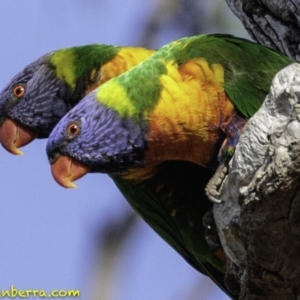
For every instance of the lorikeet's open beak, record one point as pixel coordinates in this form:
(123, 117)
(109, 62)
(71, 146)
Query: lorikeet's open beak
(13, 136)
(65, 170)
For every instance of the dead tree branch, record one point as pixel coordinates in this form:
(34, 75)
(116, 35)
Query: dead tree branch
(273, 23)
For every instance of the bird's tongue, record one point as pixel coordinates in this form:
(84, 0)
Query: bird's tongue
(13, 136)
(65, 170)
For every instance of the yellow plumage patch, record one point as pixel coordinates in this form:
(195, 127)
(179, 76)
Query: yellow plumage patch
(127, 58)
(112, 94)
(63, 61)
(186, 119)
(185, 123)
(124, 60)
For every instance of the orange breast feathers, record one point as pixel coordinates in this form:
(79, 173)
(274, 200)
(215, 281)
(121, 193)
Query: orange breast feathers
(185, 123)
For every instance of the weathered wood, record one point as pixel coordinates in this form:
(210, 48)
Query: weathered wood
(273, 23)
(259, 221)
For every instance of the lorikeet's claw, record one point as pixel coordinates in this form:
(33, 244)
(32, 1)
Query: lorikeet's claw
(215, 184)
(232, 128)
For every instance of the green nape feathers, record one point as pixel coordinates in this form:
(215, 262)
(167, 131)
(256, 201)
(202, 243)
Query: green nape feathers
(157, 131)
(81, 63)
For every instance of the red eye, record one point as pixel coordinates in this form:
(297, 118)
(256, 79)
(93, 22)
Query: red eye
(19, 91)
(73, 129)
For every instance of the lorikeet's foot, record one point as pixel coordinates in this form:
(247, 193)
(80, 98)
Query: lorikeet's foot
(232, 127)
(214, 186)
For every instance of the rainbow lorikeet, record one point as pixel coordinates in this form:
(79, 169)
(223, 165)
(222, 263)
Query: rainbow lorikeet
(160, 128)
(37, 97)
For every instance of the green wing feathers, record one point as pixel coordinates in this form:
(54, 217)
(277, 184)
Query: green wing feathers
(249, 67)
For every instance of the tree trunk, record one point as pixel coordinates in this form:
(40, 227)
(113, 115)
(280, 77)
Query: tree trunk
(273, 23)
(259, 221)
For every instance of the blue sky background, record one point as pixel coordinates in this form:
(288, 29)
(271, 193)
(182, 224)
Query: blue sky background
(53, 238)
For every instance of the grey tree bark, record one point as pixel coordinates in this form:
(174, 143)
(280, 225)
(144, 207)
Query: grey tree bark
(259, 221)
(273, 23)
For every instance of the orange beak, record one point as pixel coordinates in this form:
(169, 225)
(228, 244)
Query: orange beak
(65, 170)
(13, 136)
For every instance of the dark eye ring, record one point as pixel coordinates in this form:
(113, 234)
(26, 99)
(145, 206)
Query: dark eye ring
(73, 129)
(19, 91)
